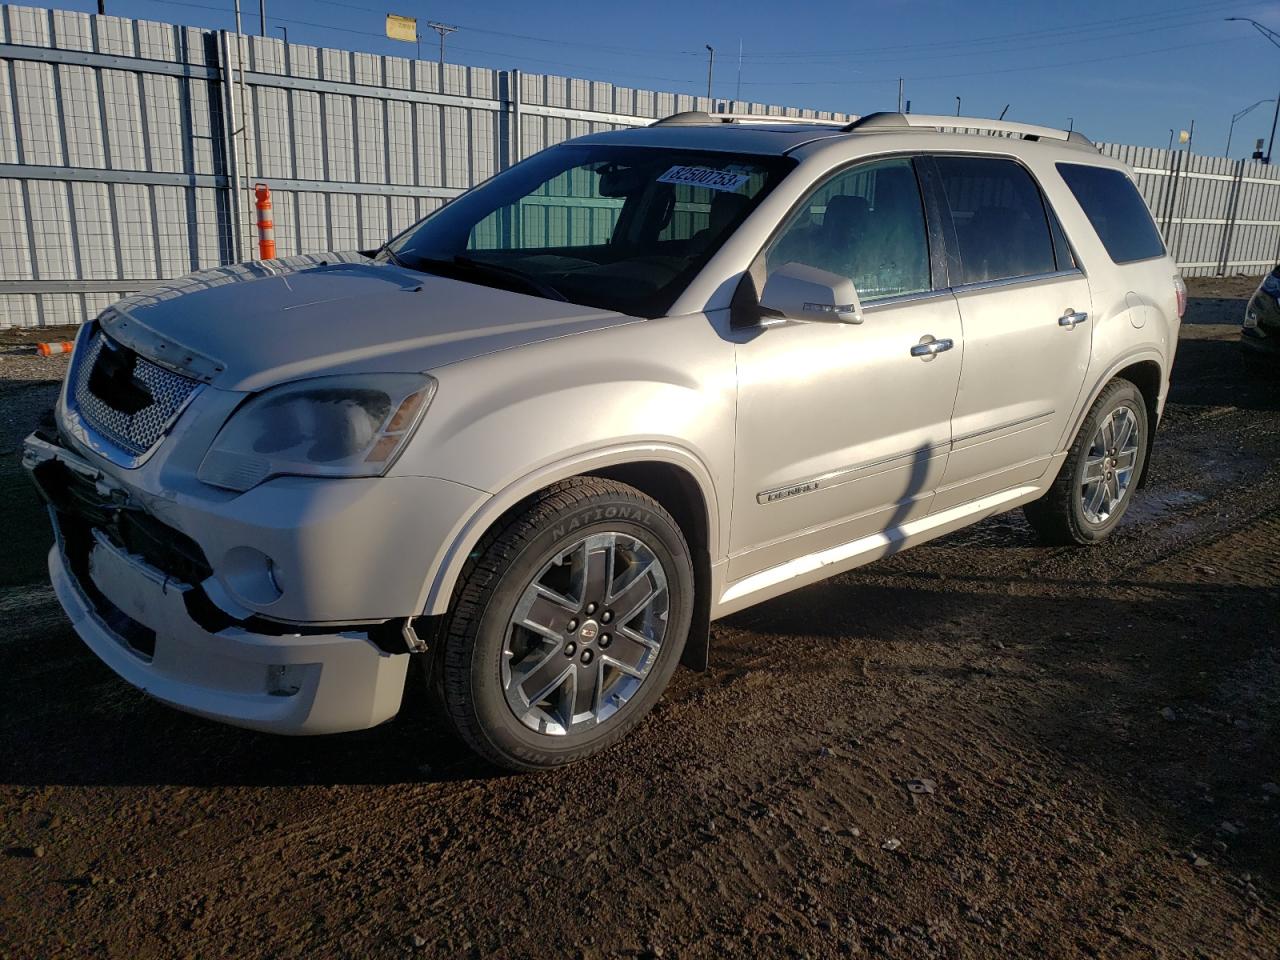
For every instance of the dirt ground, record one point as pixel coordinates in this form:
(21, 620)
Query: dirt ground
(982, 747)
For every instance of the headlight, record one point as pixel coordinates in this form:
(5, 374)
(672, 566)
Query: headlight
(352, 426)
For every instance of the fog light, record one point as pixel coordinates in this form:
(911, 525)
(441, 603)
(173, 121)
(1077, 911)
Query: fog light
(284, 680)
(251, 576)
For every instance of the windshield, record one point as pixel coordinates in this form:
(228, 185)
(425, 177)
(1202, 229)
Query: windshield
(623, 228)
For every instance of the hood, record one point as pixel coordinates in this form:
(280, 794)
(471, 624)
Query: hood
(254, 325)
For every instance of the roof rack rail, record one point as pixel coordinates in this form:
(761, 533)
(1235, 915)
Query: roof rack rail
(886, 121)
(701, 117)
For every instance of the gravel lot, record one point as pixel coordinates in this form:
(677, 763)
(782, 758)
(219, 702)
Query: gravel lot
(982, 747)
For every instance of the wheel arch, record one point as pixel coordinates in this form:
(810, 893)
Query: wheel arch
(1146, 370)
(1148, 377)
(673, 476)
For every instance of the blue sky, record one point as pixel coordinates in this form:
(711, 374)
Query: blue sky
(1125, 71)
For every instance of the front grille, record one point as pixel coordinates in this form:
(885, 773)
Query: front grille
(124, 397)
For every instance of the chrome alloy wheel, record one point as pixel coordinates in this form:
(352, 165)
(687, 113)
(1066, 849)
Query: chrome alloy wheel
(585, 634)
(1109, 465)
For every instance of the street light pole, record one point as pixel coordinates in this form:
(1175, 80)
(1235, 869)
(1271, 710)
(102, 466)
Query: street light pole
(957, 106)
(1236, 116)
(1275, 39)
(1274, 117)
(711, 65)
(262, 18)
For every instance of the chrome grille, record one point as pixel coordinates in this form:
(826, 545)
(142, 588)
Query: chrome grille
(135, 433)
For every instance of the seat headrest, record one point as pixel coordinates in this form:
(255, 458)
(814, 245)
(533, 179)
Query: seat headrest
(845, 213)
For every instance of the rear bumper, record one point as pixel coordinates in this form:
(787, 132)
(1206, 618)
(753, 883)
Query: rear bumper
(280, 684)
(1259, 342)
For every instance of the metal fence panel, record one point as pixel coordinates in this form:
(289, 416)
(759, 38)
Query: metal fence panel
(128, 150)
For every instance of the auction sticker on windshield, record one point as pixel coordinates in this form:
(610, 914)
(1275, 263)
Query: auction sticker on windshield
(704, 177)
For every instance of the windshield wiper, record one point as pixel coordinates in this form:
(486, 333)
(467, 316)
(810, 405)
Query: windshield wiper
(391, 255)
(540, 287)
(460, 266)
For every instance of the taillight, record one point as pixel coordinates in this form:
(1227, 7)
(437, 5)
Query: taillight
(1180, 288)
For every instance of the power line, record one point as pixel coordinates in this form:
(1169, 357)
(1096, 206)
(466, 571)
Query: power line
(333, 28)
(1015, 48)
(986, 73)
(1080, 27)
(858, 81)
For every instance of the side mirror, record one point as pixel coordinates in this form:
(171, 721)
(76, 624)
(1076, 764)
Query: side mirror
(796, 291)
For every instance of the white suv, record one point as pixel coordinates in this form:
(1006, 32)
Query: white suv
(642, 380)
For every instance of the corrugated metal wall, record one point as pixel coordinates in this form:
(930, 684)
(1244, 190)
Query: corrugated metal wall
(120, 141)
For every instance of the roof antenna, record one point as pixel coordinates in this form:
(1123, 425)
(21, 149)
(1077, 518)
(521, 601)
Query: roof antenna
(1004, 111)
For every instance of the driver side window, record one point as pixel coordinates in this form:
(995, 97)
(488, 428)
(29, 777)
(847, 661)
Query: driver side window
(867, 224)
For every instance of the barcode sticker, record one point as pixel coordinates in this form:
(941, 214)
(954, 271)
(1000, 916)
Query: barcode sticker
(704, 177)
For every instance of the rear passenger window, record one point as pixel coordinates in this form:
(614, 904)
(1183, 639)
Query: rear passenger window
(999, 218)
(1116, 210)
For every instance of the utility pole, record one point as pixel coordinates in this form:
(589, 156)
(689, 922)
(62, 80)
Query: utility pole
(899, 94)
(1275, 39)
(1071, 125)
(737, 95)
(262, 18)
(711, 66)
(444, 30)
(102, 8)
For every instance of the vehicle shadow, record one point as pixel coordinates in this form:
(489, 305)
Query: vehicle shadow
(1211, 372)
(1163, 707)
(68, 720)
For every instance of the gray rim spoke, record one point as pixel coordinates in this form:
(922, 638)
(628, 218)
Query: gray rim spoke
(633, 597)
(548, 613)
(600, 557)
(545, 676)
(631, 651)
(585, 633)
(1109, 466)
(586, 698)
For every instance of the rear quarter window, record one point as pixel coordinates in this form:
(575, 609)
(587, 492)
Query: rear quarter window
(1116, 210)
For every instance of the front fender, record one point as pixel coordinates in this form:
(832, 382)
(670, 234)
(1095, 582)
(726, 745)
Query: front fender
(514, 422)
(447, 565)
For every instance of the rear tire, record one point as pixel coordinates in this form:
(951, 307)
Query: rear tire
(568, 621)
(1098, 479)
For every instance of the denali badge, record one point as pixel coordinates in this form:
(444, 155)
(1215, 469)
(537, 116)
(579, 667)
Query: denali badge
(769, 496)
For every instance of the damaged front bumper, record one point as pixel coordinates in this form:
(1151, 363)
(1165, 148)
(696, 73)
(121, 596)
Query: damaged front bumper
(135, 591)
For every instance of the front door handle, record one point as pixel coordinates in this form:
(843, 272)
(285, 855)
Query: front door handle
(1071, 318)
(929, 348)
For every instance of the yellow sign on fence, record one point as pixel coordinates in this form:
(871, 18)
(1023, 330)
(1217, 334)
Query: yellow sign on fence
(402, 28)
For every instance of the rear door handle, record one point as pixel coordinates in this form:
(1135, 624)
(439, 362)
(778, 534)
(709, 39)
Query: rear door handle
(1072, 318)
(929, 347)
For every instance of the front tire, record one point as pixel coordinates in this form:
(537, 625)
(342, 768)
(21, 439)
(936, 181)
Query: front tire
(567, 623)
(1097, 481)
